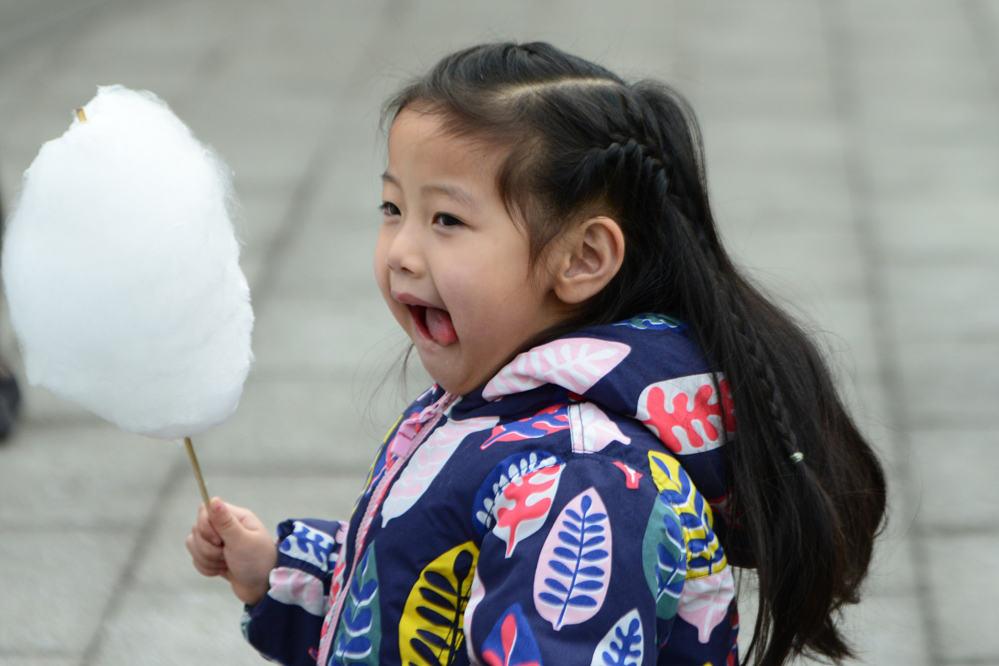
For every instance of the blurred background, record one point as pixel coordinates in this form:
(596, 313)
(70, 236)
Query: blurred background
(853, 158)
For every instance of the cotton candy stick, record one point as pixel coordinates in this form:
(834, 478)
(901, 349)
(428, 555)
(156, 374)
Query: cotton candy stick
(121, 270)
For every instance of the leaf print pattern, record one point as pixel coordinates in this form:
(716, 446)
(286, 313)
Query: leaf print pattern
(517, 465)
(575, 563)
(359, 636)
(426, 463)
(572, 363)
(592, 429)
(309, 545)
(623, 645)
(686, 413)
(430, 631)
(631, 476)
(545, 422)
(705, 601)
(652, 321)
(704, 553)
(664, 560)
(295, 587)
(511, 642)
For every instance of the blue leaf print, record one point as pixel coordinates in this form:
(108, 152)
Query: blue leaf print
(664, 558)
(359, 634)
(575, 563)
(623, 645)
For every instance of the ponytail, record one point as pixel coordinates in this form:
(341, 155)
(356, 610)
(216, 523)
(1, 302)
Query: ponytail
(808, 492)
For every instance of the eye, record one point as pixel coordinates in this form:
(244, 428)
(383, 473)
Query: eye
(389, 208)
(446, 220)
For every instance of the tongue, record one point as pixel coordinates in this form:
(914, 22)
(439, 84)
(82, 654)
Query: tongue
(440, 327)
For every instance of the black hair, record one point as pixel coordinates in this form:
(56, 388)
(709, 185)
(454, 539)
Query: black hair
(808, 490)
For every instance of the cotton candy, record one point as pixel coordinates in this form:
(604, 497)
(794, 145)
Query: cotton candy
(121, 271)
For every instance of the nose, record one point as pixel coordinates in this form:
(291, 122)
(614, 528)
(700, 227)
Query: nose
(404, 255)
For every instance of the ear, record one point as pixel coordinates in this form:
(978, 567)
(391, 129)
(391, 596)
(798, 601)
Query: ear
(591, 256)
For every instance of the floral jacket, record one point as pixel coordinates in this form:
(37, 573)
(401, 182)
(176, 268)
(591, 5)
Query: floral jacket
(568, 512)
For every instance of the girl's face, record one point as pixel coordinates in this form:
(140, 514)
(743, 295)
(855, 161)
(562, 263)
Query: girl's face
(452, 265)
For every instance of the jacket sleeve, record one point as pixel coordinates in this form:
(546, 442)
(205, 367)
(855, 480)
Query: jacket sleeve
(584, 562)
(286, 624)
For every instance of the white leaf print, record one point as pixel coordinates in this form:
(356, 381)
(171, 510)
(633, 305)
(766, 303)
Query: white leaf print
(426, 464)
(572, 363)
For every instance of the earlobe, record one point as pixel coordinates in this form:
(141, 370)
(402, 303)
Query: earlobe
(592, 256)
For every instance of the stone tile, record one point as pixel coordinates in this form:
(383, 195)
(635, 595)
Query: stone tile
(37, 660)
(310, 335)
(964, 590)
(882, 630)
(332, 259)
(77, 477)
(190, 627)
(931, 230)
(295, 424)
(886, 630)
(55, 585)
(955, 474)
(803, 258)
(945, 301)
(950, 383)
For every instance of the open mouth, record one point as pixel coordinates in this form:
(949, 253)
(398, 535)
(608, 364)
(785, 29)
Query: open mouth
(434, 324)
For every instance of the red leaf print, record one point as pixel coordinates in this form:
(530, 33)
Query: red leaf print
(508, 633)
(687, 414)
(519, 493)
(631, 476)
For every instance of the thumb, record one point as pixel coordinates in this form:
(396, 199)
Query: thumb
(223, 520)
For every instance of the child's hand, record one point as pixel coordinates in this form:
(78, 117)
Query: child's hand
(234, 544)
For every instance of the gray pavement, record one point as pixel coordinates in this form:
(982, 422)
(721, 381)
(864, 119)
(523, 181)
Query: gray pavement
(853, 157)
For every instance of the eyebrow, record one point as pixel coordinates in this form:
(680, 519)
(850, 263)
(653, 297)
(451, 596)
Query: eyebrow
(452, 191)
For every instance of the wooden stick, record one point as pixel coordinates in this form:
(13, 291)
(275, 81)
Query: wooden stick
(81, 115)
(197, 472)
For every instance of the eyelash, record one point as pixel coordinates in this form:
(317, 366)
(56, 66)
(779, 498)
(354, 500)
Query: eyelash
(390, 209)
(440, 217)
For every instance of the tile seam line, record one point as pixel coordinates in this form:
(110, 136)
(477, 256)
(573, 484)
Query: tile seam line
(843, 85)
(143, 541)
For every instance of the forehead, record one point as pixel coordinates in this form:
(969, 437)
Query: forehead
(420, 140)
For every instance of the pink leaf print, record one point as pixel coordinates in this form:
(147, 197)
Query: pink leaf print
(686, 414)
(574, 565)
(573, 363)
(523, 506)
(704, 602)
(592, 429)
(427, 461)
(294, 587)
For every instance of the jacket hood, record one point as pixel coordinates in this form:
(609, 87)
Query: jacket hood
(647, 368)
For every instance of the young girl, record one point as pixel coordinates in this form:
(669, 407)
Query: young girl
(618, 418)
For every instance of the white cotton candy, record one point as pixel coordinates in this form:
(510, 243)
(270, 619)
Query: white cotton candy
(122, 275)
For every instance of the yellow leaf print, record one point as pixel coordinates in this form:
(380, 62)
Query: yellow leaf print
(704, 553)
(430, 632)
